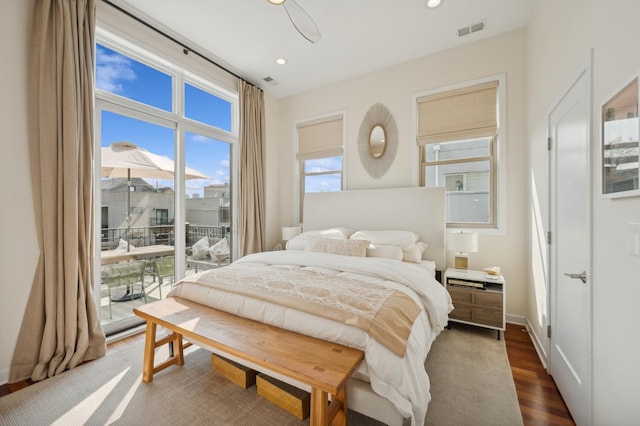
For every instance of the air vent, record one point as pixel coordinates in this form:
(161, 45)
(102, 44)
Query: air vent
(271, 81)
(471, 29)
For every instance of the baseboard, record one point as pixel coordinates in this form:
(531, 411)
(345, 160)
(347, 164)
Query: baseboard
(125, 333)
(516, 319)
(4, 377)
(537, 344)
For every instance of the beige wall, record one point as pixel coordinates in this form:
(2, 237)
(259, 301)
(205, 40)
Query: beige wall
(394, 87)
(18, 245)
(560, 35)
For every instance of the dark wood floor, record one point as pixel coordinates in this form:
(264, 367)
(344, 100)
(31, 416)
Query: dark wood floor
(540, 402)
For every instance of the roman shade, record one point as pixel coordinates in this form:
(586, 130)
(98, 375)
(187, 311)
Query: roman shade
(320, 138)
(459, 114)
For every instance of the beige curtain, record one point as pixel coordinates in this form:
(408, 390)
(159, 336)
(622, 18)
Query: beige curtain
(252, 186)
(61, 327)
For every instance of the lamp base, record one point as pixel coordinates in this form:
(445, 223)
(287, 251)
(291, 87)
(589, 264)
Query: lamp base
(461, 261)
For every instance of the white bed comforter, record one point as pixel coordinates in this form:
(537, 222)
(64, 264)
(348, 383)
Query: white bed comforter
(403, 381)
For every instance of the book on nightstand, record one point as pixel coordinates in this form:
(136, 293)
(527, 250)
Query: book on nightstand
(466, 283)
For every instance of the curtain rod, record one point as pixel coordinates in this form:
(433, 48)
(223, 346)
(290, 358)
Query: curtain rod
(185, 49)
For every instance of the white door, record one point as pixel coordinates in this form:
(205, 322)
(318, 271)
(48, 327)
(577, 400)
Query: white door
(570, 204)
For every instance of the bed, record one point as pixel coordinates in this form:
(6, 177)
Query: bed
(386, 302)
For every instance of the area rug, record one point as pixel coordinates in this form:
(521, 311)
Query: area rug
(471, 384)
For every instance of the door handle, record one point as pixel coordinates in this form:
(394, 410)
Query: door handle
(581, 276)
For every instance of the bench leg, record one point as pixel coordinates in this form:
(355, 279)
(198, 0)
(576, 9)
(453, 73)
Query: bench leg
(180, 348)
(338, 408)
(319, 408)
(149, 352)
(174, 340)
(324, 414)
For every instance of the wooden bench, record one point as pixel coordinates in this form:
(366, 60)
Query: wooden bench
(321, 365)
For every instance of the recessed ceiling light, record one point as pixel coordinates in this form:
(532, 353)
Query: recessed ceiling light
(433, 3)
(281, 61)
(276, 2)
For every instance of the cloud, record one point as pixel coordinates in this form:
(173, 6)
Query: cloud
(112, 70)
(225, 163)
(199, 138)
(323, 164)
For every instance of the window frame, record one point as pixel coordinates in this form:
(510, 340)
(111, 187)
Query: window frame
(424, 163)
(303, 175)
(498, 175)
(175, 119)
(300, 160)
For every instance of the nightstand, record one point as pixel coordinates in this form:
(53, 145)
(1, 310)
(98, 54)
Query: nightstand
(478, 298)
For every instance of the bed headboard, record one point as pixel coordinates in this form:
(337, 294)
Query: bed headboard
(417, 209)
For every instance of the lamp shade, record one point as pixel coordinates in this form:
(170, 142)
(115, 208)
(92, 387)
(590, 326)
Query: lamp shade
(463, 242)
(288, 232)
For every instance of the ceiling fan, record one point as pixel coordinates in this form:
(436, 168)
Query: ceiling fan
(300, 19)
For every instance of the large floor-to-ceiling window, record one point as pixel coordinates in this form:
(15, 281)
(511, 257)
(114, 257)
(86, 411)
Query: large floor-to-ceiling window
(167, 139)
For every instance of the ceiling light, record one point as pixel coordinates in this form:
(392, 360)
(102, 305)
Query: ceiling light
(276, 2)
(430, 3)
(281, 61)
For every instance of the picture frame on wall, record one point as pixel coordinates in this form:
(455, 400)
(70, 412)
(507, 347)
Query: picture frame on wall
(621, 143)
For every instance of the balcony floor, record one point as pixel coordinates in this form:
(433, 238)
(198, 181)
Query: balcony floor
(123, 310)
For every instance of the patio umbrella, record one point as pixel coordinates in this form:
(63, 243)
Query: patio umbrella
(124, 159)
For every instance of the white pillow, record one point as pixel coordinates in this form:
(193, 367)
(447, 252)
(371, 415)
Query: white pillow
(414, 253)
(219, 248)
(301, 241)
(122, 245)
(200, 250)
(429, 266)
(387, 252)
(402, 239)
(339, 246)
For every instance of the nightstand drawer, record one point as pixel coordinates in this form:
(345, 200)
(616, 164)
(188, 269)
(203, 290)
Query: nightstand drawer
(460, 295)
(487, 317)
(488, 299)
(461, 313)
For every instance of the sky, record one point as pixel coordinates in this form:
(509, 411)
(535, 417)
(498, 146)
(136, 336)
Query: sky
(132, 79)
(127, 77)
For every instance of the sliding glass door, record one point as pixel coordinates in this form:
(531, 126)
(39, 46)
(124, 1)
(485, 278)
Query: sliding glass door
(164, 191)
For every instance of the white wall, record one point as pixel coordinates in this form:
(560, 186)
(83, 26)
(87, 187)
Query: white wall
(394, 87)
(18, 245)
(560, 35)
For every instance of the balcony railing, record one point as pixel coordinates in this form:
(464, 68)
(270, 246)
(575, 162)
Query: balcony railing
(160, 221)
(141, 236)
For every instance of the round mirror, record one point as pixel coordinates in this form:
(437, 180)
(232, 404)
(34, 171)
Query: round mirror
(377, 141)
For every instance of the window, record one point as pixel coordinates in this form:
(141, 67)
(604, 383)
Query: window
(120, 74)
(162, 217)
(188, 123)
(320, 155)
(457, 137)
(224, 215)
(322, 174)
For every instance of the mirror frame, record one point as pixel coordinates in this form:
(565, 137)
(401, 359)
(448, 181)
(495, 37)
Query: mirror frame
(377, 115)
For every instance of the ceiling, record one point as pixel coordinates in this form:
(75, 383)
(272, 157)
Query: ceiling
(358, 36)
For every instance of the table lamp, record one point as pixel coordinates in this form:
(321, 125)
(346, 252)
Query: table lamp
(288, 232)
(462, 243)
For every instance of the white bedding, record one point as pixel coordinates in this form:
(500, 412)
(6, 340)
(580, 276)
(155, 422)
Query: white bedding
(401, 380)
